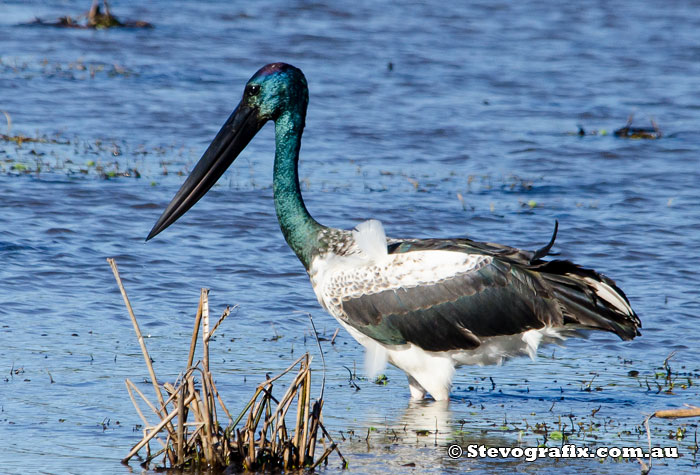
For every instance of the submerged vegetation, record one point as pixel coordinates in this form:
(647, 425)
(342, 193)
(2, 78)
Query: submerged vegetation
(627, 131)
(188, 418)
(95, 18)
(77, 70)
(22, 154)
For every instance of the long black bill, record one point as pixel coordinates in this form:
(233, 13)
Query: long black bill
(233, 137)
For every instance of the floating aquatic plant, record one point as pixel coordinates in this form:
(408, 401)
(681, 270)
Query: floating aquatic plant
(95, 18)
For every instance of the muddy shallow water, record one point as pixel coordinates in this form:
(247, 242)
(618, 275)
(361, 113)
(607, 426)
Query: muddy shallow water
(412, 107)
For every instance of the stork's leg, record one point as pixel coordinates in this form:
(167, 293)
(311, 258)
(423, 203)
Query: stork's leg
(434, 376)
(417, 391)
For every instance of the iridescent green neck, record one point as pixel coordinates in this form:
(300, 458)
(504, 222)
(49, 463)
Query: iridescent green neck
(299, 228)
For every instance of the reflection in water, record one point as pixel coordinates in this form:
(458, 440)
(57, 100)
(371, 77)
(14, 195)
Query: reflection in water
(427, 417)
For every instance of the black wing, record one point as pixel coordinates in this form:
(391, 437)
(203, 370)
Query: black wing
(514, 293)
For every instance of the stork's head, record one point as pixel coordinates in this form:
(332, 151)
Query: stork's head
(273, 90)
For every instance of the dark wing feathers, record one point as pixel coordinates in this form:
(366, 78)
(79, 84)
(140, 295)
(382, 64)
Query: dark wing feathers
(515, 293)
(456, 313)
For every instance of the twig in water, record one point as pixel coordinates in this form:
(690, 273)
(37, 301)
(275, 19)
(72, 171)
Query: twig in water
(691, 411)
(320, 350)
(9, 122)
(335, 335)
(144, 350)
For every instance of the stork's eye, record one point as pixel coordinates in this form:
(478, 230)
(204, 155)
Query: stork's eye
(252, 90)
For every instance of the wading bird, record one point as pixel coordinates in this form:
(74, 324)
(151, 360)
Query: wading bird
(424, 305)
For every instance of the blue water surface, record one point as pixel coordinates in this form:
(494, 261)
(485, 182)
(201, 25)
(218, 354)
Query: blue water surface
(440, 119)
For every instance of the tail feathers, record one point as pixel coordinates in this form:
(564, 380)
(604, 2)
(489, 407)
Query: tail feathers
(591, 300)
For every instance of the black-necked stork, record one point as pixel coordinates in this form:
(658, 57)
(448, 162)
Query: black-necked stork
(424, 305)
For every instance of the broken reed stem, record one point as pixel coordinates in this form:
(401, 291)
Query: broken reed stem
(223, 316)
(143, 397)
(210, 408)
(195, 332)
(218, 397)
(130, 387)
(205, 328)
(300, 420)
(260, 387)
(203, 417)
(323, 457)
(133, 401)
(291, 367)
(142, 343)
(286, 401)
(9, 122)
(153, 432)
(335, 335)
(306, 394)
(181, 423)
(250, 403)
(268, 416)
(210, 402)
(168, 452)
(333, 445)
(260, 408)
(320, 351)
(316, 417)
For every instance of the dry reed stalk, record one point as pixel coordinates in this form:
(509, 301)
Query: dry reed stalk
(210, 401)
(169, 454)
(152, 433)
(297, 433)
(218, 398)
(286, 402)
(202, 417)
(203, 443)
(130, 387)
(195, 332)
(306, 393)
(261, 386)
(142, 343)
(205, 327)
(223, 316)
(335, 334)
(181, 424)
(316, 415)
